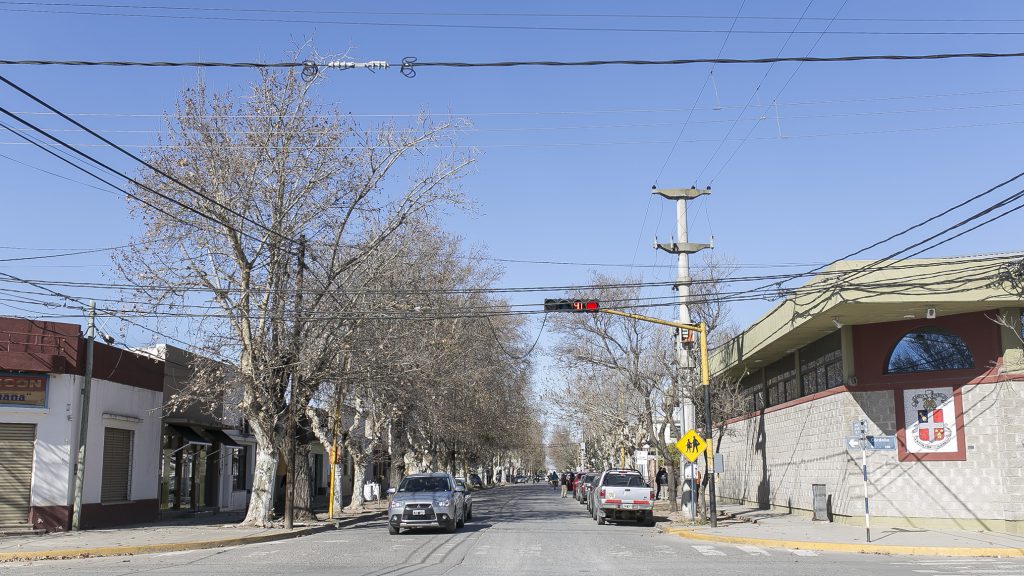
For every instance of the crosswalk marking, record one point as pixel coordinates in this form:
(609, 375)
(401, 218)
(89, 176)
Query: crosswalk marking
(804, 552)
(752, 550)
(708, 551)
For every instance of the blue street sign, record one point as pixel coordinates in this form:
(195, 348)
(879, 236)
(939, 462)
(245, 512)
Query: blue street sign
(887, 442)
(881, 443)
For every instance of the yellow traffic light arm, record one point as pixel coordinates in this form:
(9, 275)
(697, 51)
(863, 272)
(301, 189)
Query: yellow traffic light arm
(700, 328)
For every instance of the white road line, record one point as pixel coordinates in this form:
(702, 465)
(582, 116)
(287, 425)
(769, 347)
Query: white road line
(804, 552)
(752, 550)
(708, 550)
(950, 562)
(175, 553)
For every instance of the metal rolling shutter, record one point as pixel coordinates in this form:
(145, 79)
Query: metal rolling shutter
(117, 465)
(18, 441)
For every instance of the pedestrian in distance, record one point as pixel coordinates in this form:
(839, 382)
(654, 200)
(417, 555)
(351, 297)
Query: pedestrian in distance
(565, 484)
(553, 479)
(661, 478)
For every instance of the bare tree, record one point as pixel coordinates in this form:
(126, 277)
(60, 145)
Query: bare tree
(238, 182)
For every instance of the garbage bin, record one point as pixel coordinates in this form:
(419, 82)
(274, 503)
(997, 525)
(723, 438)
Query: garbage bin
(820, 499)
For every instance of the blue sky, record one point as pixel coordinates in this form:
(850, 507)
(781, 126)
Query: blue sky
(838, 155)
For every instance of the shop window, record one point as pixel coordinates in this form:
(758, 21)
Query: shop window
(239, 468)
(117, 465)
(929, 350)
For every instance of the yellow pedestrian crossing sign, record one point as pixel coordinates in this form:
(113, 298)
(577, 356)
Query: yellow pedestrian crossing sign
(691, 445)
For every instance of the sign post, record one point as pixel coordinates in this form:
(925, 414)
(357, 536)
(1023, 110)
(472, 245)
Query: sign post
(691, 445)
(860, 429)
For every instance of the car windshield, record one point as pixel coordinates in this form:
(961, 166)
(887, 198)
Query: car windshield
(628, 480)
(424, 484)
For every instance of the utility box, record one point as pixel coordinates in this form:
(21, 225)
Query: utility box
(371, 491)
(820, 498)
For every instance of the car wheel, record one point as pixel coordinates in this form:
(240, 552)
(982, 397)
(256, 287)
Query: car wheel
(452, 527)
(461, 521)
(469, 513)
(394, 530)
(600, 519)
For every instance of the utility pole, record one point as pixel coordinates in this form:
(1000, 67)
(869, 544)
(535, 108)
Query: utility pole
(296, 380)
(83, 419)
(683, 248)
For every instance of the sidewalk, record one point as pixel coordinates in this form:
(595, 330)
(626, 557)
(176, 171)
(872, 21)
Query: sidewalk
(217, 531)
(776, 529)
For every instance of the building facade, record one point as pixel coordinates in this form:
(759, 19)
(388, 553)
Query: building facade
(920, 361)
(41, 375)
(206, 454)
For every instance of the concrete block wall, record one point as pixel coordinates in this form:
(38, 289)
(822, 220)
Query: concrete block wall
(773, 459)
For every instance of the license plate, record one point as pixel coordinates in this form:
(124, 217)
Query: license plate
(419, 512)
(627, 506)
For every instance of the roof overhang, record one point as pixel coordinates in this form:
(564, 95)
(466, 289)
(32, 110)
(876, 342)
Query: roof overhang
(839, 298)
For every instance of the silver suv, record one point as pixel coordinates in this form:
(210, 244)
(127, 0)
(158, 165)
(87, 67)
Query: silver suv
(426, 500)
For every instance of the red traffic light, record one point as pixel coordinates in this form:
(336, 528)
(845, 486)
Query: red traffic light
(574, 305)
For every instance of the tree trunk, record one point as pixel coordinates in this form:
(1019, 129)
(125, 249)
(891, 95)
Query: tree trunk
(358, 478)
(396, 450)
(302, 504)
(339, 486)
(673, 484)
(261, 502)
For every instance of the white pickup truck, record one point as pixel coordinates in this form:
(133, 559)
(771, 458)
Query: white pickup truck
(621, 494)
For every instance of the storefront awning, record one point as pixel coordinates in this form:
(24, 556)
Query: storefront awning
(225, 440)
(190, 435)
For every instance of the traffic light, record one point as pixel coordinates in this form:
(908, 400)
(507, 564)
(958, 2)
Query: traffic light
(566, 305)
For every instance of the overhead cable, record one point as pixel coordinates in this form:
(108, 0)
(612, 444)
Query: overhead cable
(409, 64)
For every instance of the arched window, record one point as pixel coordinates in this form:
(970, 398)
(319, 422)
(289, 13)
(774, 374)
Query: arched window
(928, 350)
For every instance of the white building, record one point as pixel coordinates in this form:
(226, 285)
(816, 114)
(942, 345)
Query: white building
(41, 375)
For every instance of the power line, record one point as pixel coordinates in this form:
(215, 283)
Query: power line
(920, 270)
(499, 113)
(617, 16)
(106, 167)
(408, 65)
(754, 94)
(138, 159)
(700, 93)
(774, 100)
(622, 142)
(451, 26)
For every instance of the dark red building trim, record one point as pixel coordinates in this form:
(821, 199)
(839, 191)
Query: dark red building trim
(50, 518)
(107, 515)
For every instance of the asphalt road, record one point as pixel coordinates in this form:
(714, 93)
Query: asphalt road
(520, 530)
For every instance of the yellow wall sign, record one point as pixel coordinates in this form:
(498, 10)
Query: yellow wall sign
(691, 445)
(23, 390)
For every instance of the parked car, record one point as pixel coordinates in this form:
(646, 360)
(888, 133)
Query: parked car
(474, 480)
(621, 494)
(583, 487)
(467, 496)
(426, 500)
(520, 479)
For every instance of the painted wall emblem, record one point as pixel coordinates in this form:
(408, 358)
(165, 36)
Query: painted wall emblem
(931, 420)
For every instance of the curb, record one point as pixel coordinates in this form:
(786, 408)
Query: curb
(844, 547)
(177, 546)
